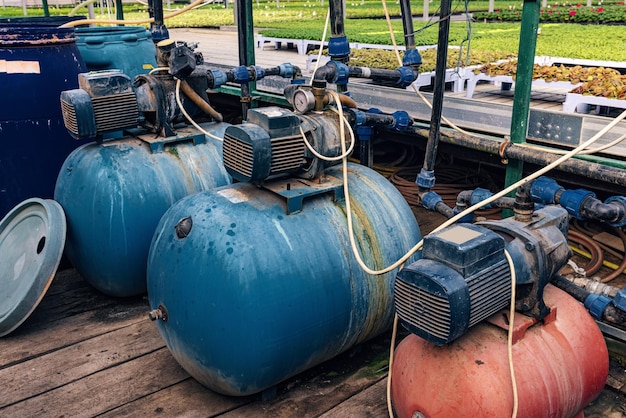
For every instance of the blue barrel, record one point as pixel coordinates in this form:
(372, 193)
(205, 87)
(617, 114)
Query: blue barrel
(114, 194)
(37, 62)
(249, 296)
(126, 48)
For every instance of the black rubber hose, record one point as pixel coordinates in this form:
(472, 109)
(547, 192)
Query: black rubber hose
(407, 24)
(611, 313)
(577, 292)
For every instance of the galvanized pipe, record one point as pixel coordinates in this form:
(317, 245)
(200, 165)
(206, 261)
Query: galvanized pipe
(595, 171)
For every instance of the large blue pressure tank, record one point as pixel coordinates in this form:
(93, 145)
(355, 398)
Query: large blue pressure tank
(248, 295)
(114, 194)
(38, 60)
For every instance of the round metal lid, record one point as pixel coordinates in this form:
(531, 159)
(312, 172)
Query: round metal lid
(32, 237)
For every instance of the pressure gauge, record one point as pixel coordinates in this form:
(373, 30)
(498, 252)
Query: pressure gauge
(303, 100)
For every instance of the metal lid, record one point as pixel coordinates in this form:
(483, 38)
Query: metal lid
(32, 237)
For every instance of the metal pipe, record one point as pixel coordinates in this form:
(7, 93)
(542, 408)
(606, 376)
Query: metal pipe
(610, 314)
(594, 171)
(119, 10)
(407, 24)
(157, 27)
(246, 49)
(338, 46)
(337, 17)
(440, 84)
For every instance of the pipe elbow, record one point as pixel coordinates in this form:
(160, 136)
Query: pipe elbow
(612, 211)
(619, 205)
(325, 74)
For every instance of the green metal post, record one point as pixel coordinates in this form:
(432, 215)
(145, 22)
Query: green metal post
(46, 10)
(523, 85)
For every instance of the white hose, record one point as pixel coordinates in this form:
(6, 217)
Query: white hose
(189, 118)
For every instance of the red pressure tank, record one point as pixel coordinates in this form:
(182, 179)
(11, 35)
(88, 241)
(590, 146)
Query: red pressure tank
(559, 366)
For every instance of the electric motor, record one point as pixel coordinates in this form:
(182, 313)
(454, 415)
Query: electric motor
(105, 101)
(272, 143)
(464, 277)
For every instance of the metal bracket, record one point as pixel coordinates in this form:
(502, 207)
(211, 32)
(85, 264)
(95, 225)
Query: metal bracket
(157, 143)
(294, 191)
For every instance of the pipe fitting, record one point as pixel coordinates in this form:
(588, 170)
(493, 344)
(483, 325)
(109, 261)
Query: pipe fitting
(573, 201)
(338, 47)
(240, 74)
(411, 57)
(216, 78)
(544, 190)
(596, 304)
(401, 120)
(425, 179)
(286, 70)
(341, 73)
(158, 313)
(619, 204)
(406, 76)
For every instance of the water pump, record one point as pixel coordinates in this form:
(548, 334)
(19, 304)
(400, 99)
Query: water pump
(109, 101)
(464, 276)
(271, 144)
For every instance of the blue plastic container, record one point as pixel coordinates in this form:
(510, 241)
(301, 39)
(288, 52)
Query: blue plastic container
(39, 61)
(126, 48)
(115, 193)
(252, 296)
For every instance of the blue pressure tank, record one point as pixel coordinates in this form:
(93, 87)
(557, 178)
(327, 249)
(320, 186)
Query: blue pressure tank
(126, 48)
(249, 295)
(38, 60)
(114, 194)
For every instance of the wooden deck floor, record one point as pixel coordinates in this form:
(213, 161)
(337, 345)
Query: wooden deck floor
(83, 354)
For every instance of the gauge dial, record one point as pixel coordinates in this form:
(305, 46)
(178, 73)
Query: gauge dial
(303, 100)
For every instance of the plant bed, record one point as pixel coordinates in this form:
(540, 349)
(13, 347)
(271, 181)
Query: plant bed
(581, 103)
(597, 81)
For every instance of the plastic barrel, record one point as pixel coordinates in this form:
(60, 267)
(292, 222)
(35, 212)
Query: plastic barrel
(38, 61)
(126, 48)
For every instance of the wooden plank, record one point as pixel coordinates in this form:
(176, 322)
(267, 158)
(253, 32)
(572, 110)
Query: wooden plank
(60, 367)
(69, 297)
(609, 239)
(28, 342)
(321, 388)
(66, 279)
(372, 402)
(105, 390)
(187, 398)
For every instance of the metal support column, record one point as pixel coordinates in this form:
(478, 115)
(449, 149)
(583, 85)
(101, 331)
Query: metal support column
(523, 85)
